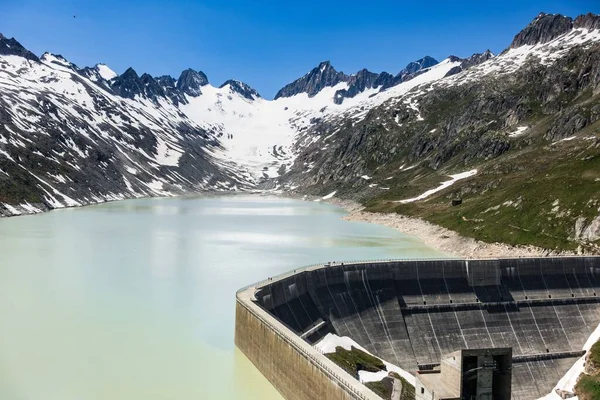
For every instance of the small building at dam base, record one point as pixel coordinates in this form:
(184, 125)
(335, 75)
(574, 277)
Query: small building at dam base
(482, 374)
(501, 328)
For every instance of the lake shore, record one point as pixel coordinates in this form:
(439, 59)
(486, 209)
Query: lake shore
(439, 238)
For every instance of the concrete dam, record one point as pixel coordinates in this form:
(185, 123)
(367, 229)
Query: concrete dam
(412, 313)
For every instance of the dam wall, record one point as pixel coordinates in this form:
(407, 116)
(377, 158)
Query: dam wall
(413, 312)
(294, 368)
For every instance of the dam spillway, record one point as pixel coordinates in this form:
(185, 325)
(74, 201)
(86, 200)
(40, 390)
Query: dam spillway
(411, 313)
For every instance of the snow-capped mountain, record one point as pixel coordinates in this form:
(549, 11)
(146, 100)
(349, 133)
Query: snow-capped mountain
(71, 135)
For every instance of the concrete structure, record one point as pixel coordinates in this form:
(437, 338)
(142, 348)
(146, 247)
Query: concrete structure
(482, 374)
(411, 313)
(296, 369)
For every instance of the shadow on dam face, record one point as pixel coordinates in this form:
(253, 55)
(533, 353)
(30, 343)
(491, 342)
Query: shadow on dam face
(411, 313)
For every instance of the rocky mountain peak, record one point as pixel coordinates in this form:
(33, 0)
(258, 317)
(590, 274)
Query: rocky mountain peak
(166, 81)
(10, 47)
(544, 28)
(241, 88)
(466, 63)
(320, 77)
(423, 63)
(128, 84)
(129, 74)
(588, 21)
(191, 81)
(415, 68)
(477, 59)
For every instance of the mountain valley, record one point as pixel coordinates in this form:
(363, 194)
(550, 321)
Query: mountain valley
(512, 140)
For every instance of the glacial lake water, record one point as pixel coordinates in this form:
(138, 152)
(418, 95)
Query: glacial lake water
(135, 299)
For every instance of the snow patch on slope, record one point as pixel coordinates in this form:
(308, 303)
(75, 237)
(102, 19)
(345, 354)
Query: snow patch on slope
(105, 72)
(442, 186)
(518, 132)
(329, 343)
(567, 382)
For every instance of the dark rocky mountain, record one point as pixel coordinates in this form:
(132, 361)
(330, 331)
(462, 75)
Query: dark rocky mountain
(320, 77)
(588, 21)
(325, 75)
(476, 59)
(544, 28)
(361, 81)
(190, 82)
(415, 67)
(242, 89)
(169, 87)
(12, 47)
(128, 84)
(152, 89)
(469, 62)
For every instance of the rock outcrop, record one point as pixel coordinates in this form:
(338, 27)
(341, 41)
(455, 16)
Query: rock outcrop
(14, 48)
(241, 88)
(190, 82)
(544, 28)
(320, 77)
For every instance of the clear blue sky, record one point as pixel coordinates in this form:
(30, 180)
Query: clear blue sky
(268, 43)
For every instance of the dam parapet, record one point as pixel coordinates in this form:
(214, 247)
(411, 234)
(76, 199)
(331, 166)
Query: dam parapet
(413, 312)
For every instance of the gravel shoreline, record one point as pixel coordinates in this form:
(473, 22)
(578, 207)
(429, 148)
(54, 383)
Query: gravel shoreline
(440, 238)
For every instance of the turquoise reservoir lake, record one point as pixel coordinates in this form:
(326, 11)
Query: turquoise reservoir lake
(136, 299)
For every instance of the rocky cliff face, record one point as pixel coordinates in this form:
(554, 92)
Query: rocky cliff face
(190, 82)
(588, 21)
(168, 84)
(544, 28)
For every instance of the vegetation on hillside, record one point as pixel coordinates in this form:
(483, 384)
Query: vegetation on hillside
(534, 196)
